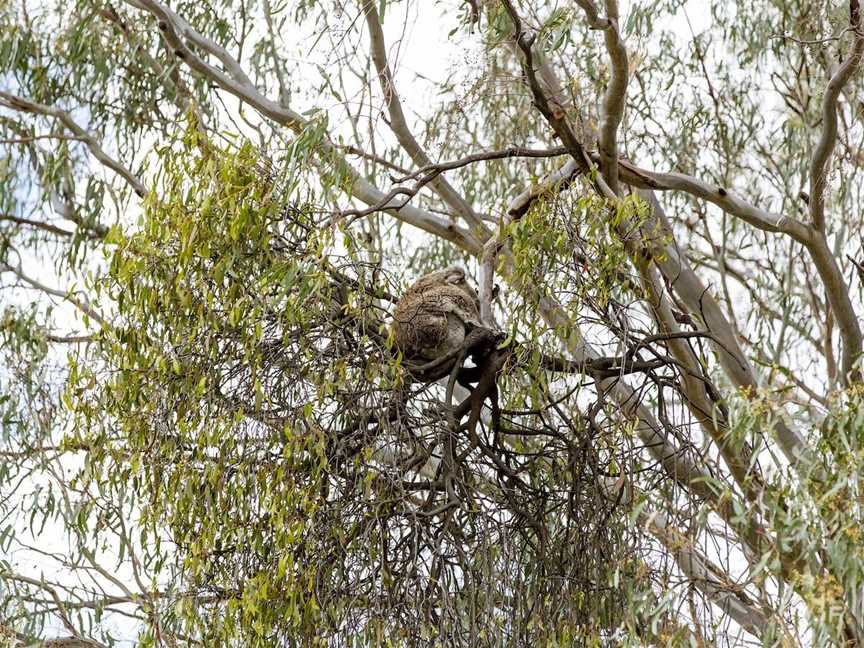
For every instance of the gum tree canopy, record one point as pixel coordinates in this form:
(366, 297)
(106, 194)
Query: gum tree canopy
(209, 209)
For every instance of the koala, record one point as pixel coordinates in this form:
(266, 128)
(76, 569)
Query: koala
(434, 314)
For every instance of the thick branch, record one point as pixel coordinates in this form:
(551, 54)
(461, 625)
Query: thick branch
(814, 241)
(841, 304)
(700, 301)
(591, 13)
(720, 196)
(488, 263)
(551, 184)
(177, 32)
(829, 271)
(698, 393)
(614, 99)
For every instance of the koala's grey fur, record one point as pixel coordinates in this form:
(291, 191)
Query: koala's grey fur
(434, 314)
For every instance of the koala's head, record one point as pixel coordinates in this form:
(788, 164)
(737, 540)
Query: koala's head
(450, 276)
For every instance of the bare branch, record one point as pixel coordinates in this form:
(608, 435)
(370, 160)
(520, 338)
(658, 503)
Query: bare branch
(399, 125)
(837, 292)
(705, 575)
(429, 173)
(594, 19)
(48, 227)
(510, 152)
(181, 95)
(614, 99)
(554, 182)
(720, 196)
(825, 147)
(34, 138)
(81, 305)
(75, 640)
(699, 301)
(555, 118)
(25, 105)
(488, 263)
(677, 463)
(70, 339)
(175, 30)
(814, 241)
(377, 159)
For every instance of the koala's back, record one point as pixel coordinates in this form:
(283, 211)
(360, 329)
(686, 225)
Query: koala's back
(425, 326)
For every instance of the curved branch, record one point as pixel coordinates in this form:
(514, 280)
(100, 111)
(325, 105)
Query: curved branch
(722, 197)
(83, 306)
(614, 99)
(827, 141)
(399, 125)
(428, 174)
(25, 105)
(236, 82)
(555, 117)
(829, 270)
(366, 192)
(177, 31)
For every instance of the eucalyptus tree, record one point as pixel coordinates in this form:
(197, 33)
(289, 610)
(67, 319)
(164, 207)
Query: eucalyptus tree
(209, 210)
